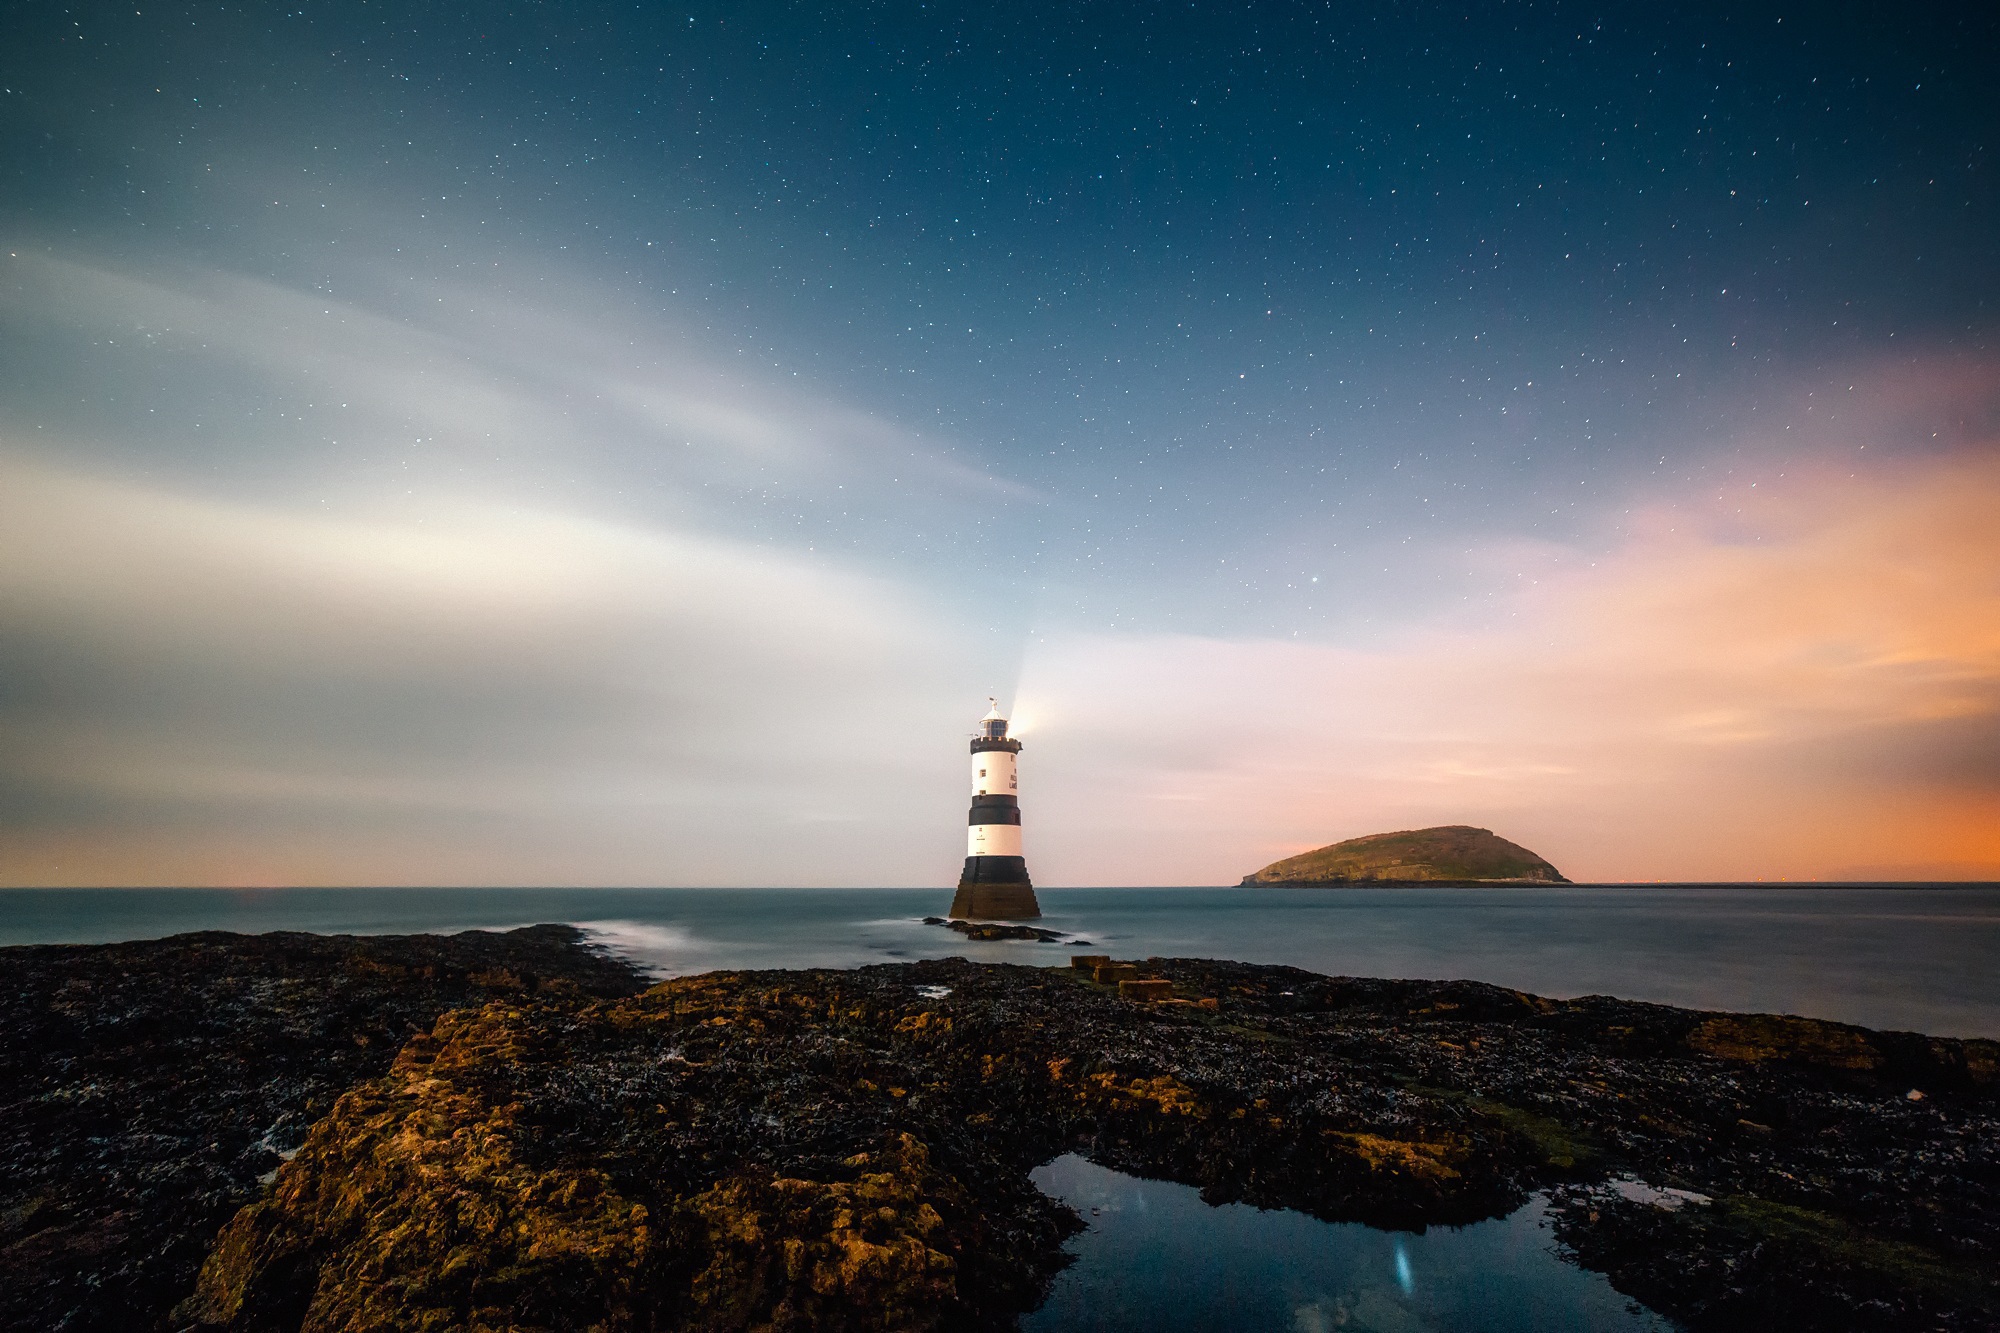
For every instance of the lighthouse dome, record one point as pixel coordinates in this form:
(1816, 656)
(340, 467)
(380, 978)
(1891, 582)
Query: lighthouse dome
(993, 726)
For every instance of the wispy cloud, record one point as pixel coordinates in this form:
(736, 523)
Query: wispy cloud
(538, 694)
(485, 587)
(569, 388)
(501, 594)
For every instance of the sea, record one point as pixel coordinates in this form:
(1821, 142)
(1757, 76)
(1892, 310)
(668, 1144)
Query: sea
(1913, 958)
(1155, 1257)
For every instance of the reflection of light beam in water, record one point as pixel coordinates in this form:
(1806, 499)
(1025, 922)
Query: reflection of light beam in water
(1156, 1257)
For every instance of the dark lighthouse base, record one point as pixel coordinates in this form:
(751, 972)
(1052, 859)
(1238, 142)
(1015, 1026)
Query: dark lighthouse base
(995, 888)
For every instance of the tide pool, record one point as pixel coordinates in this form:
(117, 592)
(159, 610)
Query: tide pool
(1156, 1257)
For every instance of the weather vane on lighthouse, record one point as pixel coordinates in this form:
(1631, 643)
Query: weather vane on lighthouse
(995, 882)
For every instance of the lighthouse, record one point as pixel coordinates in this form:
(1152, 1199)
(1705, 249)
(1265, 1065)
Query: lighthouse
(995, 882)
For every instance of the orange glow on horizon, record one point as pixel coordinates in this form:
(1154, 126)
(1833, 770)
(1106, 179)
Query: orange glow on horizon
(1797, 681)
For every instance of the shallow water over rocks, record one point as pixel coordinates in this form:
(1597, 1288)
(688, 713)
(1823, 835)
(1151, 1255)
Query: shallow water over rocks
(1156, 1258)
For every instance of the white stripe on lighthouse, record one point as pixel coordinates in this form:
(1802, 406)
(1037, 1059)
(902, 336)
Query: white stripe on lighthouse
(993, 775)
(993, 839)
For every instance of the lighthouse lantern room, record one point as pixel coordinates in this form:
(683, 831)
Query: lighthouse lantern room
(995, 882)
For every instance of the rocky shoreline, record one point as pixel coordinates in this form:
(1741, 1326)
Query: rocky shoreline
(149, 1089)
(988, 932)
(540, 1143)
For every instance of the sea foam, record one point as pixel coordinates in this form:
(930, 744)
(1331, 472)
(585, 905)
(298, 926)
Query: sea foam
(661, 951)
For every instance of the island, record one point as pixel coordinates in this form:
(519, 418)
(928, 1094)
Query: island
(1455, 855)
(513, 1131)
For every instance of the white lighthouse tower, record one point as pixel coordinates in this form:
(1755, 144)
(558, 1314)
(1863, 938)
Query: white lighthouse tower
(995, 881)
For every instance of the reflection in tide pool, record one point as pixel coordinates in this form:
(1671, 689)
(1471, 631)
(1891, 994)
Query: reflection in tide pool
(1157, 1258)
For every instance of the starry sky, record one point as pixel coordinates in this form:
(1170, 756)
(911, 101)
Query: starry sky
(621, 444)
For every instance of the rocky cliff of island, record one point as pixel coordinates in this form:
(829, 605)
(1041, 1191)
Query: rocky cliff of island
(1452, 854)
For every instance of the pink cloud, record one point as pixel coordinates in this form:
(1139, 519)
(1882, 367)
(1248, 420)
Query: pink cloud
(1788, 679)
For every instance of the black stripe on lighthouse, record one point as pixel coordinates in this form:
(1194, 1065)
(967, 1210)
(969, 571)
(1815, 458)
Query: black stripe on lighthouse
(995, 810)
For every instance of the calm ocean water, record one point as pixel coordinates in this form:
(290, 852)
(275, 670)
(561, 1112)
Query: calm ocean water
(1921, 959)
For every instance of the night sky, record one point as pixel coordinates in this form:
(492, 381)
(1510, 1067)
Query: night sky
(622, 444)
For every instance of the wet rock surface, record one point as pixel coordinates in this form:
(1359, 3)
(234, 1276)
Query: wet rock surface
(990, 931)
(521, 1142)
(148, 1089)
(849, 1149)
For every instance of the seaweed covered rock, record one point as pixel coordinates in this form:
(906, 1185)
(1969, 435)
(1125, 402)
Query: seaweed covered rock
(850, 1149)
(149, 1089)
(721, 1153)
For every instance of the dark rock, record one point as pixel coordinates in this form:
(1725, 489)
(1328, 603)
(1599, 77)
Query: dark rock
(825, 1149)
(837, 1150)
(147, 1088)
(994, 930)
